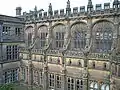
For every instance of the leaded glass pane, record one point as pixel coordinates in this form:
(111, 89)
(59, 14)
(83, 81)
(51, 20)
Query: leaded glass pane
(42, 33)
(103, 36)
(79, 32)
(59, 33)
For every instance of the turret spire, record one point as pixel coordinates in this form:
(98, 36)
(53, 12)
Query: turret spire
(68, 4)
(50, 12)
(68, 9)
(89, 6)
(116, 3)
(89, 2)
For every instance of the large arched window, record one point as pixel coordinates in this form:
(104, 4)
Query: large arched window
(103, 36)
(28, 35)
(59, 33)
(42, 33)
(78, 36)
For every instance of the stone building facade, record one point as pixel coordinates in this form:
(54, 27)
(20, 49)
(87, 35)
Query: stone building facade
(11, 38)
(72, 49)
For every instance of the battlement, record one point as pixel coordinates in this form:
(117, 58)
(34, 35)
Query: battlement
(72, 12)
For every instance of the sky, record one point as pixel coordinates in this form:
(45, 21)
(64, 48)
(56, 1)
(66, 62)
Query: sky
(7, 7)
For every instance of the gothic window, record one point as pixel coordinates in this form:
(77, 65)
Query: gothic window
(70, 84)
(28, 35)
(78, 36)
(103, 36)
(36, 77)
(12, 52)
(59, 39)
(59, 33)
(51, 80)
(29, 38)
(79, 84)
(42, 33)
(58, 82)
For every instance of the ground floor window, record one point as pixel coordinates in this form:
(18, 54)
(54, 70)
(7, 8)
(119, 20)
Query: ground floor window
(10, 76)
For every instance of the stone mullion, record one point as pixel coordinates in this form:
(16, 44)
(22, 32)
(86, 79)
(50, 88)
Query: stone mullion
(50, 33)
(115, 36)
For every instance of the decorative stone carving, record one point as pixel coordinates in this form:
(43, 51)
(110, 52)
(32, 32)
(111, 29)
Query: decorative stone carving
(112, 84)
(68, 9)
(50, 12)
(35, 13)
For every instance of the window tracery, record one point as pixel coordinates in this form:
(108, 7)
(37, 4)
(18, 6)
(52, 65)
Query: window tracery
(103, 36)
(42, 33)
(59, 34)
(28, 35)
(79, 32)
